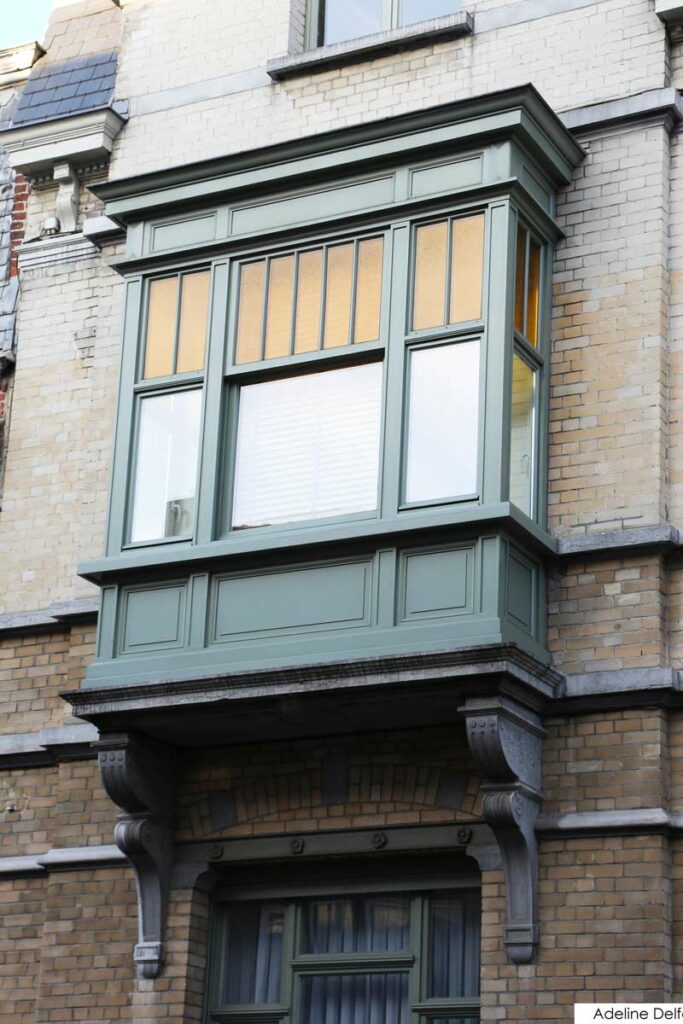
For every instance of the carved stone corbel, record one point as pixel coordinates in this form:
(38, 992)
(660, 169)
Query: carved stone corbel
(506, 743)
(139, 776)
(67, 196)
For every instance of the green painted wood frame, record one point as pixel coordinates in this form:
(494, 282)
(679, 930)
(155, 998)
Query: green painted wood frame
(507, 165)
(295, 965)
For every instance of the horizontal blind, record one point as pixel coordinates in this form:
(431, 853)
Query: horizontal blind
(308, 446)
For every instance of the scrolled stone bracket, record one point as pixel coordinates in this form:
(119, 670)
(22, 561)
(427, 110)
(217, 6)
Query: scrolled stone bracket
(506, 741)
(138, 774)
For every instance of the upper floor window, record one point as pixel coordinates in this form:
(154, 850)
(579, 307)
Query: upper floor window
(386, 957)
(351, 382)
(336, 21)
(169, 403)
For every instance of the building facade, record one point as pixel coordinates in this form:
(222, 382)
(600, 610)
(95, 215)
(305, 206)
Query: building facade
(340, 643)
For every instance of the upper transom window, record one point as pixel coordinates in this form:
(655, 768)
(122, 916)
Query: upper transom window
(307, 301)
(337, 21)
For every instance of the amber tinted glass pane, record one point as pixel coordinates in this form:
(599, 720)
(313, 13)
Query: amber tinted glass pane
(430, 275)
(533, 292)
(369, 290)
(338, 295)
(280, 295)
(194, 311)
(308, 300)
(161, 327)
(250, 313)
(520, 274)
(467, 268)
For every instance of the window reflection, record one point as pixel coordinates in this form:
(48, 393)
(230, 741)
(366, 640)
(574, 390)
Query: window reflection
(166, 465)
(443, 422)
(349, 19)
(422, 10)
(522, 434)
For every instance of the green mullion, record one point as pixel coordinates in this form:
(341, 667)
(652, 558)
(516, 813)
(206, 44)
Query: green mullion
(391, 481)
(544, 392)
(323, 302)
(354, 289)
(295, 294)
(164, 383)
(353, 963)
(209, 463)
(264, 308)
(134, 304)
(391, 14)
(530, 353)
(449, 270)
(415, 979)
(287, 366)
(176, 336)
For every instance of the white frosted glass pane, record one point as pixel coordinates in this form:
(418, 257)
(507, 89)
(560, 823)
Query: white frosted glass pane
(166, 466)
(423, 10)
(308, 447)
(348, 19)
(443, 422)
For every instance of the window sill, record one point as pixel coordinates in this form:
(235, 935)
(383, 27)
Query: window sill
(324, 58)
(257, 543)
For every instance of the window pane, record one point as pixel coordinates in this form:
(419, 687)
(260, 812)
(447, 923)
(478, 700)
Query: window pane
(253, 954)
(194, 311)
(443, 422)
(364, 924)
(308, 301)
(520, 279)
(338, 295)
(533, 292)
(467, 268)
(454, 941)
(431, 251)
(161, 320)
(453, 1020)
(166, 465)
(308, 446)
(348, 19)
(423, 10)
(522, 434)
(280, 295)
(354, 999)
(369, 290)
(250, 313)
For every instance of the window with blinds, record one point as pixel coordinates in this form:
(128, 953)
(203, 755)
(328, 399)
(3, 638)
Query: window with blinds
(308, 446)
(367, 958)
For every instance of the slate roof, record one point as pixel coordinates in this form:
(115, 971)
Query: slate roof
(68, 87)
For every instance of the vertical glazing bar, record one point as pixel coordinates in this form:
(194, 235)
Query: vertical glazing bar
(176, 335)
(264, 310)
(323, 300)
(354, 295)
(295, 297)
(396, 354)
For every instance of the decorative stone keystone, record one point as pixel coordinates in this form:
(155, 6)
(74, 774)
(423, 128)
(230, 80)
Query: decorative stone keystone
(139, 776)
(506, 743)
